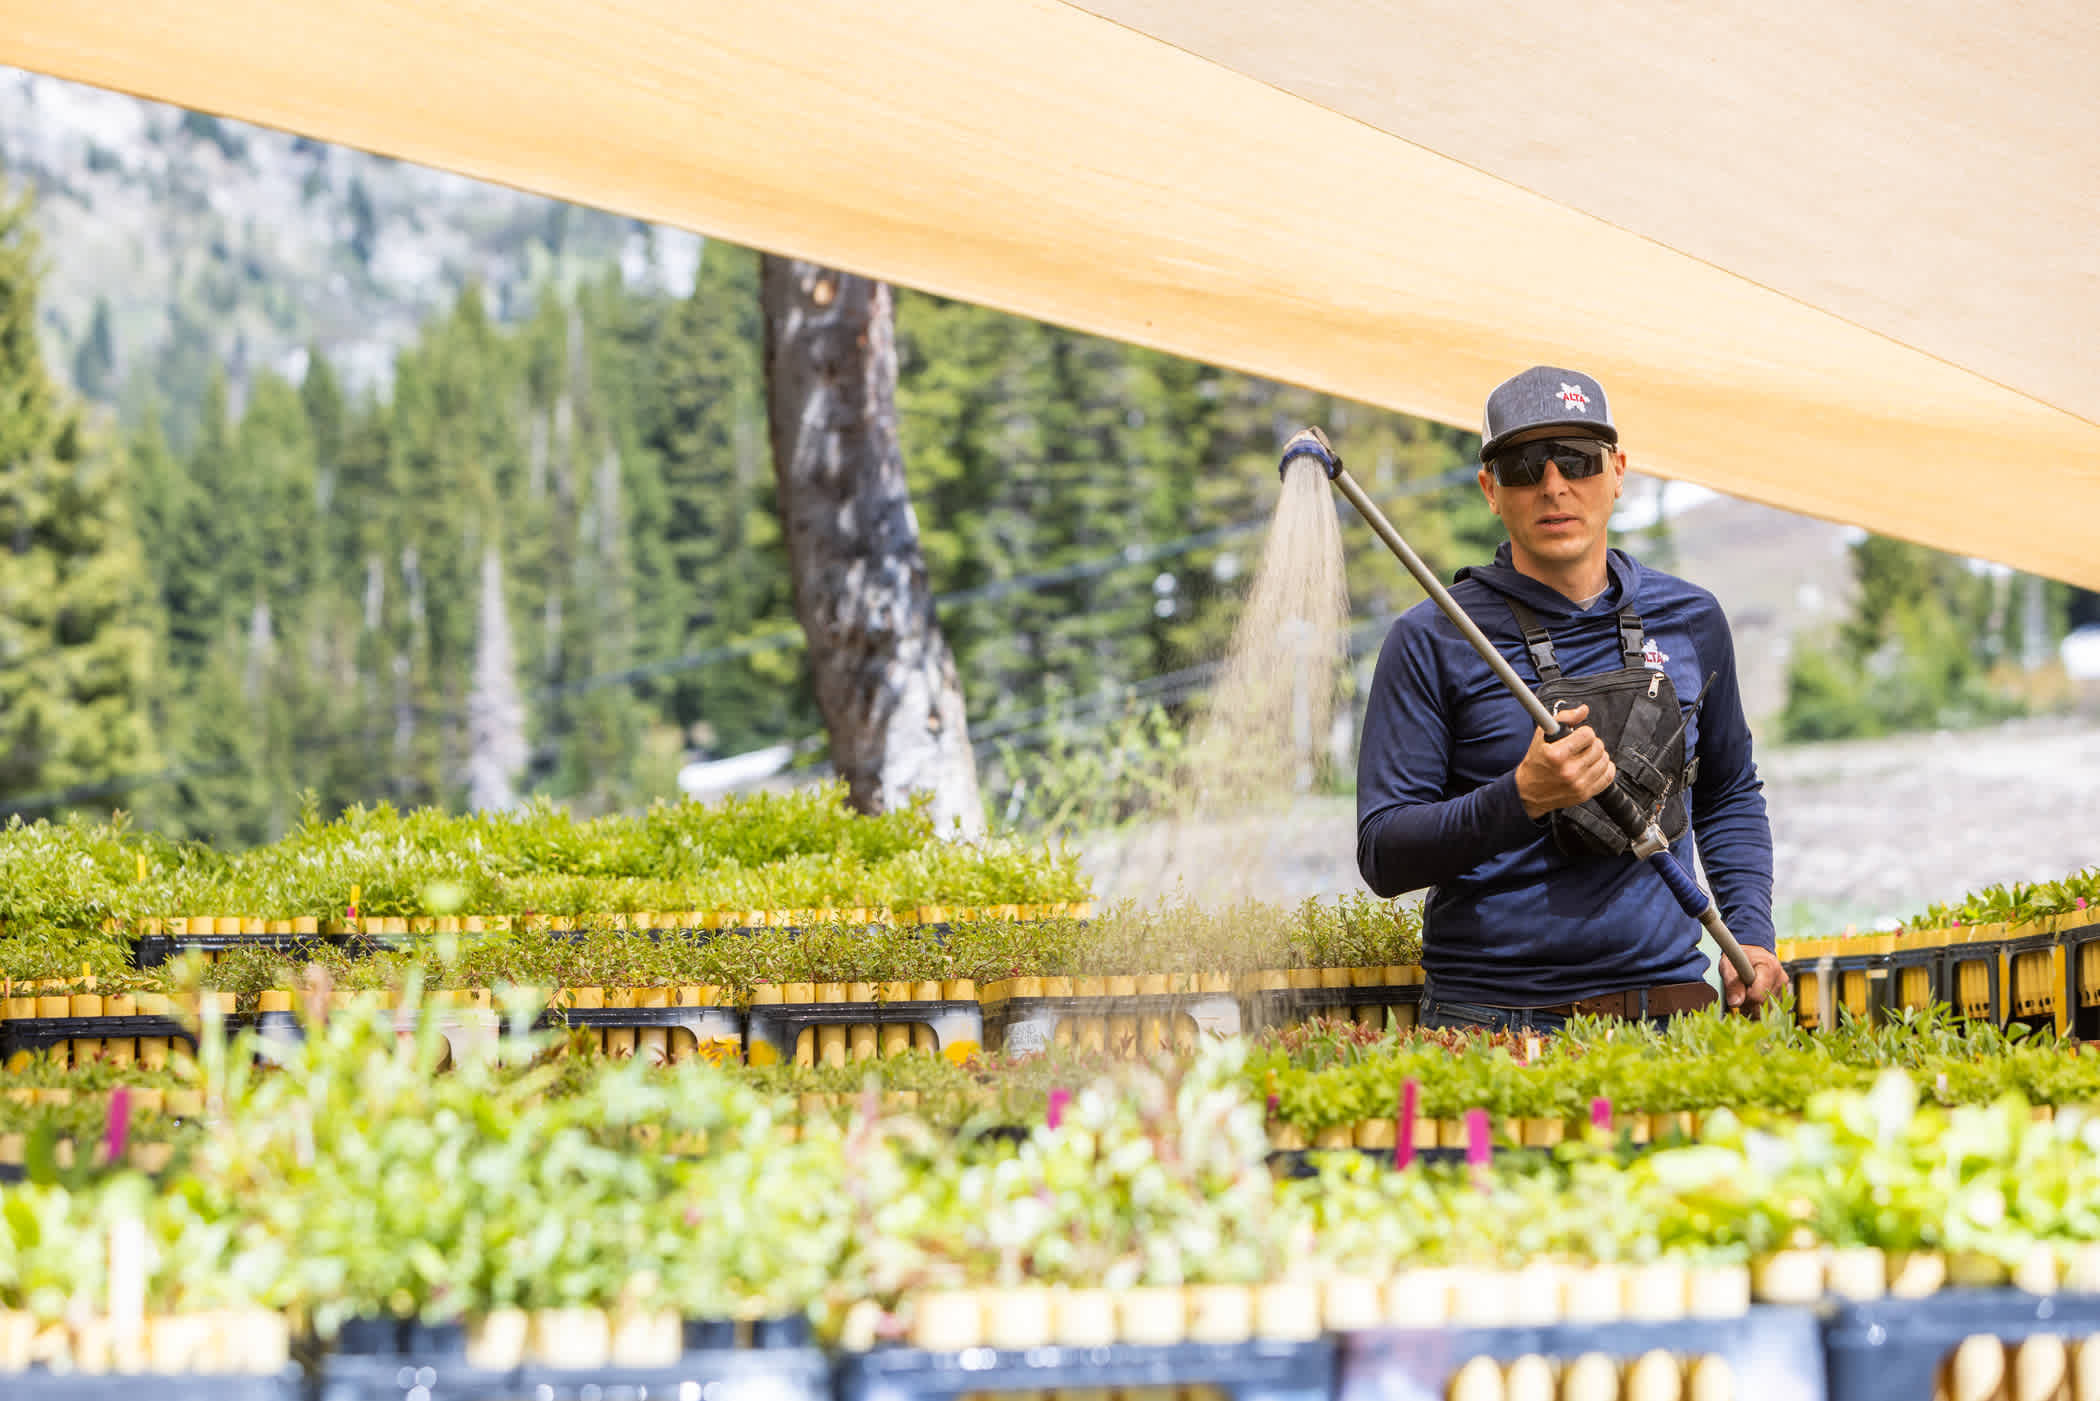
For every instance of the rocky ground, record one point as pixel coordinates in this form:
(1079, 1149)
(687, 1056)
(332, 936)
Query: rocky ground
(1864, 831)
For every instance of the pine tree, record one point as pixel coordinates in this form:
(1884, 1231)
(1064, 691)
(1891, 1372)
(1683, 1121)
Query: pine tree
(702, 420)
(75, 641)
(95, 360)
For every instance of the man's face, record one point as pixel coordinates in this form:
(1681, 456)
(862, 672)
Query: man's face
(1558, 521)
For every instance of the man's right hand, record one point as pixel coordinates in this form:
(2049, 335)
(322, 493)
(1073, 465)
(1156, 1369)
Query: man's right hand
(1572, 769)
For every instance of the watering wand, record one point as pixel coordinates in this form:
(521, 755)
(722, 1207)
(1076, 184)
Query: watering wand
(1649, 843)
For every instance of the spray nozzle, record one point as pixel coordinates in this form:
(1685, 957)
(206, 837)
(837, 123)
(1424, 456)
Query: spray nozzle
(1312, 443)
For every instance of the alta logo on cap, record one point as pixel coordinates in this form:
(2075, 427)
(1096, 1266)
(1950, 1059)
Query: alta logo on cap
(1574, 398)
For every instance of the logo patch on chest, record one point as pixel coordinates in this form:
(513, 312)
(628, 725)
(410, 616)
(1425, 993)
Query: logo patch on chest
(1652, 655)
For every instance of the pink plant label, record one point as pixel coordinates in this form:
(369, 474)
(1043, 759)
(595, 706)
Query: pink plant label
(1480, 1147)
(1404, 1130)
(1600, 1113)
(117, 1135)
(1058, 1100)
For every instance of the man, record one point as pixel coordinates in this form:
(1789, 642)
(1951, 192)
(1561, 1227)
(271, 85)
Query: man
(1536, 909)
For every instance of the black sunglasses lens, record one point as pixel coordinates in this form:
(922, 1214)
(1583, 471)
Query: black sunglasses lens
(1578, 460)
(1518, 469)
(1526, 466)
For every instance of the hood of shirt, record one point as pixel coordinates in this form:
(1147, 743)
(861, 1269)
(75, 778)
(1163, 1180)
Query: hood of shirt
(1545, 600)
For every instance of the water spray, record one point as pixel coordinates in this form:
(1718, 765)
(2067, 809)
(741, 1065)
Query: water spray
(1648, 842)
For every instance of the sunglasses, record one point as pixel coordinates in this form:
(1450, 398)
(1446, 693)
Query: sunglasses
(1526, 466)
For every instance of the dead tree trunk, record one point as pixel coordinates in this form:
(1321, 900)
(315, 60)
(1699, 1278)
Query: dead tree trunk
(885, 679)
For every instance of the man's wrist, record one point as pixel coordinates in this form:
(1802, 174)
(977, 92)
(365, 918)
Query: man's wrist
(1520, 824)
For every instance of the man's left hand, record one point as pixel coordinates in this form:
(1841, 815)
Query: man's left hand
(1768, 978)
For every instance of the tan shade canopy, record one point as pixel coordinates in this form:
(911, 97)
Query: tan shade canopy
(1842, 259)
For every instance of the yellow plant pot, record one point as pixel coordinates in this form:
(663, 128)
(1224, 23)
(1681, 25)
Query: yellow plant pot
(620, 1041)
(497, 1340)
(832, 1038)
(1537, 1294)
(1859, 1273)
(1017, 1318)
(1219, 1313)
(947, 1322)
(1718, 1291)
(1287, 1311)
(1151, 1315)
(571, 1339)
(647, 1339)
(1083, 1318)
(1788, 1277)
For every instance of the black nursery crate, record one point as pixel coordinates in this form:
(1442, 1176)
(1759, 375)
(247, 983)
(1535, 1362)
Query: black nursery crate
(1255, 1371)
(705, 1023)
(40, 1385)
(1305, 1162)
(1023, 1025)
(1285, 1006)
(1893, 1349)
(958, 1025)
(1775, 1354)
(153, 950)
(2033, 970)
(731, 1374)
(42, 1033)
(1858, 983)
(1989, 958)
(2081, 990)
(1911, 971)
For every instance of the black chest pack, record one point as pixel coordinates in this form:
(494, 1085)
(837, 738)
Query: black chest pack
(1634, 711)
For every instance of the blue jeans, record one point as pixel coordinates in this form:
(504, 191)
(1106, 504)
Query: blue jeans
(1438, 1011)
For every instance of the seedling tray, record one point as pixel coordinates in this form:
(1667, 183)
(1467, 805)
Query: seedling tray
(40, 1385)
(2034, 981)
(153, 950)
(954, 1022)
(1892, 1349)
(42, 1033)
(1283, 1006)
(703, 1022)
(1773, 1352)
(1022, 1025)
(1889, 1003)
(2081, 992)
(1256, 1371)
(739, 1374)
(1991, 956)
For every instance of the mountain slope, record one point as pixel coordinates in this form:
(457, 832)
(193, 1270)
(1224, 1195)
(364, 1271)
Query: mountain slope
(198, 242)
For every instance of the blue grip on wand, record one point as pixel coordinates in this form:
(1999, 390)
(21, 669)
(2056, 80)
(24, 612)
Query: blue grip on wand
(1687, 891)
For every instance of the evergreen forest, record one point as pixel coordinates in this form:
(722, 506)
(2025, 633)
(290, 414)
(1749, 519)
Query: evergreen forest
(548, 561)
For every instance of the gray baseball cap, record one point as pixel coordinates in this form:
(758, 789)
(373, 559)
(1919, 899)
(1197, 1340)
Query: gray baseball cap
(1545, 397)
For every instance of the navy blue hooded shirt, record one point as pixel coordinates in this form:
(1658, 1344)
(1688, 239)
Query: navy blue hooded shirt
(1509, 920)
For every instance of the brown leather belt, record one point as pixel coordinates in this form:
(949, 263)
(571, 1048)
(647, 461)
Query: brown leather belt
(1664, 1001)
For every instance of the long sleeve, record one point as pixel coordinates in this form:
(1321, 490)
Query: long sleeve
(1734, 835)
(1409, 834)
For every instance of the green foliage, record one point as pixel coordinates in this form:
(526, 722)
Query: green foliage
(353, 1180)
(2015, 902)
(1915, 654)
(799, 850)
(76, 649)
(1330, 1074)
